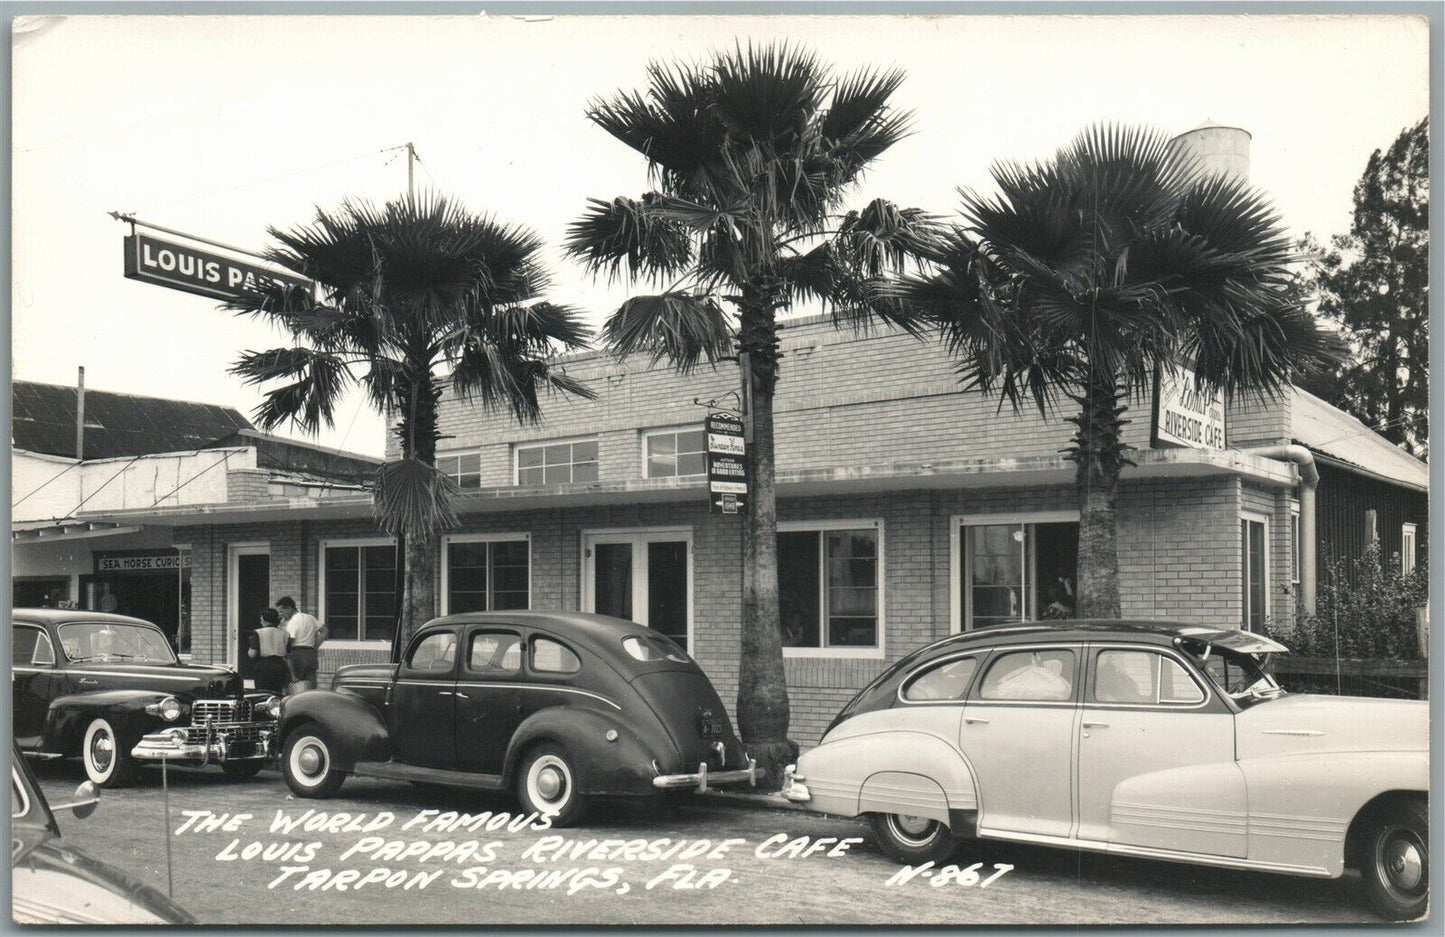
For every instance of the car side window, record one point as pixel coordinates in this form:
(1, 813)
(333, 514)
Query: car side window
(946, 681)
(436, 653)
(550, 656)
(44, 651)
(495, 652)
(23, 640)
(1143, 678)
(1030, 676)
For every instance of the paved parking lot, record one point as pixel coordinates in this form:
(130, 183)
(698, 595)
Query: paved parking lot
(632, 863)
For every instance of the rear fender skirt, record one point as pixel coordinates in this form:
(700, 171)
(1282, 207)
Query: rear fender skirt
(357, 730)
(620, 767)
(68, 716)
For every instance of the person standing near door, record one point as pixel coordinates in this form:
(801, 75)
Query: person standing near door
(305, 634)
(268, 649)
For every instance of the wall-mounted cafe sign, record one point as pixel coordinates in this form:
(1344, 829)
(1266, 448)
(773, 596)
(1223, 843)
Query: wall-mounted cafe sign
(142, 564)
(1184, 415)
(183, 267)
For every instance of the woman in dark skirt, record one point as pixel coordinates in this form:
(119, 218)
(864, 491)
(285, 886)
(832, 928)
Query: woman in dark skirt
(268, 649)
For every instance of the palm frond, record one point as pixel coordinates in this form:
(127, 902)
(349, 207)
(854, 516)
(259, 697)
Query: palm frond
(413, 499)
(308, 401)
(625, 234)
(679, 327)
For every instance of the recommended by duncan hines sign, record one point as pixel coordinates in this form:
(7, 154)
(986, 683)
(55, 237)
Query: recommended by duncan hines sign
(182, 267)
(1184, 415)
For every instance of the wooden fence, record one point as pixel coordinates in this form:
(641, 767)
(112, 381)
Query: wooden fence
(1395, 679)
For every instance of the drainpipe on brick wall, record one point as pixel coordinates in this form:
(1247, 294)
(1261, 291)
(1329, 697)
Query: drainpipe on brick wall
(1309, 481)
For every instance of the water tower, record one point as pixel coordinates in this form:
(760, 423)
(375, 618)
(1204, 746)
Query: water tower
(1220, 150)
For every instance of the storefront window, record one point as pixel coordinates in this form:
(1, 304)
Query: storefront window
(828, 584)
(676, 453)
(465, 468)
(557, 463)
(485, 576)
(1017, 571)
(360, 588)
(1255, 586)
(1407, 548)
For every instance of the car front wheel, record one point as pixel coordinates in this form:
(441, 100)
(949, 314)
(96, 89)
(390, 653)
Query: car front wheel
(307, 762)
(912, 840)
(547, 784)
(107, 761)
(1396, 861)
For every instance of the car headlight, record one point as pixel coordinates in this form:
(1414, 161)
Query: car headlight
(268, 707)
(169, 709)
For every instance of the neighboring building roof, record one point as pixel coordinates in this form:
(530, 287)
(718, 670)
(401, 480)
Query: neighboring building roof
(116, 425)
(303, 458)
(1332, 432)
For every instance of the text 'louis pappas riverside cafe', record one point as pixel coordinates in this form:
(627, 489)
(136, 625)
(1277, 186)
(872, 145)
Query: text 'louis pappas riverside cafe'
(909, 508)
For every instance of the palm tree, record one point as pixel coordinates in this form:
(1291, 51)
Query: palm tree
(1089, 270)
(750, 156)
(401, 293)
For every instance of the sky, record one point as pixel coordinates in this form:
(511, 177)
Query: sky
(225, 126)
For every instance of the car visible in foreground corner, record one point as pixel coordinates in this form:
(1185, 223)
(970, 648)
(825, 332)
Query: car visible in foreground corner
(561, 706)
(1139, 738)
(110, 689)
(54, 883)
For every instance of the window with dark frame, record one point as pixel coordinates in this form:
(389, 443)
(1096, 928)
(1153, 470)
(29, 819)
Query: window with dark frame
(1407, 548)
(487, 575)
(828, 588)
(1255, 585)
(557, 463)
(360, 587)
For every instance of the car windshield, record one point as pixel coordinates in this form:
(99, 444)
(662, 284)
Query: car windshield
(106, 640)
(1240, 676)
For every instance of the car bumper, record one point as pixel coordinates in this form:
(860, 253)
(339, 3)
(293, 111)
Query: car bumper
(793, 787)
(211, 743)
(702, 779)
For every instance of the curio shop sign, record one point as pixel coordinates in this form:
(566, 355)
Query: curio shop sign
(1184, 415)
(183, 267)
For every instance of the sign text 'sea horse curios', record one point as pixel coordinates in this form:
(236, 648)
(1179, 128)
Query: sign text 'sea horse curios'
(186, 268)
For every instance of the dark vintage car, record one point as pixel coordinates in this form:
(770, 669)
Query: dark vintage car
(561, 705)
(110, 689)
(54, 883)
(1147, 739)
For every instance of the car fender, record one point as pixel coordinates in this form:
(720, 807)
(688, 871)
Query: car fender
(622, 766)
(895, 771)
(1301, 806)
(356, 728)
(67, 717)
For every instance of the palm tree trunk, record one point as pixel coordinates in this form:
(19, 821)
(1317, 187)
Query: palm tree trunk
(763, 710)
(1098, 453)
(421, 548)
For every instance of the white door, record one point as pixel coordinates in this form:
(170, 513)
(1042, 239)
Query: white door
(642, 576)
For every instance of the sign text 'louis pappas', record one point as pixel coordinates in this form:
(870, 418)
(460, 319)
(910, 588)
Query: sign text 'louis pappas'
(1184, 415)
(727, 468)
(191, 270)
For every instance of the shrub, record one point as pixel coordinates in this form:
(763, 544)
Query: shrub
(1365, 609)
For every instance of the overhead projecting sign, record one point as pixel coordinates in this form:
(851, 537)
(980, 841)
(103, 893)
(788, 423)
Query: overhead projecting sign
(727, 467)
(186, 268)
(1184, 415)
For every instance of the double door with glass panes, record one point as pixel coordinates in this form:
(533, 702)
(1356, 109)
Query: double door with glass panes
(644, 577)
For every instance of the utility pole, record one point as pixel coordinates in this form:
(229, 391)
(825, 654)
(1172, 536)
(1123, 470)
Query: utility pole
(80, 416)
(410, 164)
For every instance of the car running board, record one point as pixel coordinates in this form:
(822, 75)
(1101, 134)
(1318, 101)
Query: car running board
(397, 771)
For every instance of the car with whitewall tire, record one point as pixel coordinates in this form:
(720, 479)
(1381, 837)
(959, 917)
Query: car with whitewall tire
(1156, 740)
(559, 707)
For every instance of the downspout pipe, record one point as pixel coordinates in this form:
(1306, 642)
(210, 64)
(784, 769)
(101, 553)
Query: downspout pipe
(1309, 480)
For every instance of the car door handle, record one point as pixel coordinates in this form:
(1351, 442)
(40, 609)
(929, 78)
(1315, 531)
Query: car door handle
(461, 695)
(444, 692)
(1096, 725)
(975, 720)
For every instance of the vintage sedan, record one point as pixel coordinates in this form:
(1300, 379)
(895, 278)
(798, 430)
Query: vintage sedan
(1139, 738)
(110, 689)
(52, 882)
(561, 705)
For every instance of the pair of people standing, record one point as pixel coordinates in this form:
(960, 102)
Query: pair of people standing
(284, 648)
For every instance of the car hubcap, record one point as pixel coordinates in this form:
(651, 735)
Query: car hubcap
(550, 781)
(102, 749)
(309, 761)
(913, 830)
(1402, 860)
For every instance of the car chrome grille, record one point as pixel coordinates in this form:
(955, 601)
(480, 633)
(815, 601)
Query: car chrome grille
(242, 732)
(221, 710)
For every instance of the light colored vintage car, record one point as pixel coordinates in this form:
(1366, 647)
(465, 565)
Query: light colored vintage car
(1140, 738)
